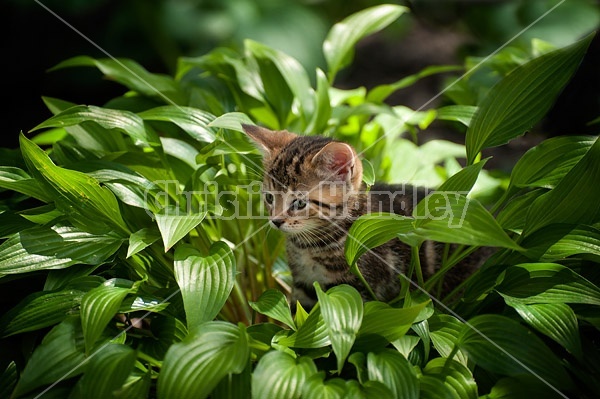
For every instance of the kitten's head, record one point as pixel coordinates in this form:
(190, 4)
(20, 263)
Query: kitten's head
(307, 179)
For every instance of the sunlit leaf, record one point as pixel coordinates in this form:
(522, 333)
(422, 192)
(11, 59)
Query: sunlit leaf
(444, 330)
(338, 47)
(457, 113)
(312, 333)
(342, 311)
(556, 320)
(193, 121)
(175, 223)
(273, 303)
(16, 179)
(454, 375)
(395, 372)
(141, 239)
(279, 375)
(193, 367)
(205, 281)
(98, 307)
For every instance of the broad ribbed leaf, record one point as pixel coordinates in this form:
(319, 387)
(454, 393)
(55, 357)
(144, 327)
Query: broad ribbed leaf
(392, 323)
(368, 172)
(338, 47)
(451, 217)
(395, 372)
(231, 121)
(8, 379)
(16, 179)
(166, 331)
(272, 303)
(373, 230)
(342, 310)
(522, 387)
(317, 388)
(501, 345)
(457, 113)
(79, 196)
(142, 239)
(58, 357)
(205, 281)
(234, 386)
(174, 224)
(556, 320)
(443, 331)
(454, 375)
(557, 242)
(313, 333)
(98, 307)
(147, 303)
(279, 375)
(522, 98)
(124, 121)
(193, 121)
(40, 248)
(547, 163)
(547, 283)
(433, 388)
(39, 310)
(464, 180)
(290, 69)
(579, 186)
(322, 114)
(130, 74)
(194, 367)
(106, 371)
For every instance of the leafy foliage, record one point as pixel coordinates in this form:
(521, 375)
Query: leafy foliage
(142, 217)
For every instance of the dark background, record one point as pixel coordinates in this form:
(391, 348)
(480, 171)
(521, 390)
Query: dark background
(155, 32)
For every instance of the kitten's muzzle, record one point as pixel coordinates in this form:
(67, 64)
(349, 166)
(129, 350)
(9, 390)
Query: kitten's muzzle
(277, 222)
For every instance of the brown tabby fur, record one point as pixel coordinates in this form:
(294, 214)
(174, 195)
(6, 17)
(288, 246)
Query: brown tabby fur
(324, 177)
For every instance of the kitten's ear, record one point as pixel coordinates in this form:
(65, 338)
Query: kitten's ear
(338, 161)
(269, 141)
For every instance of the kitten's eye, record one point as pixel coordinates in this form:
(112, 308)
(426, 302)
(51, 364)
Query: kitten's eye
(269, 198)
(298, 204)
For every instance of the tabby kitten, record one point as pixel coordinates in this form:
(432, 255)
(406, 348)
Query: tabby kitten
(313, 190)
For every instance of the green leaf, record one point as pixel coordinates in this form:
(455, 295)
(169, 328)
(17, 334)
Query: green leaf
(58, 357)
(454, 375)
(380, 93)
(579, 186)
(272, 303)
(452, 217)
(106, 371)
(342, 311)
(193, 367)
(313, 333)
(322, 114)
(373, 230)
(522, 98)
(457, 113)
(547, 163)
(205, 281)
(175, 223)
(368, 172)
(16, 179)
(395, 372)
(338, 46)
(8, 379)
(130, 74)
(392, 323)
(557, 242)
(193, 121)
(555, 320)
(290, 69)
(501, 345)
(142, 239)
(464, 180)
(231, 121)
(98, 307)
(279, 375)
(124, 121)
(522, 387)
(547, 283)
(317, 388)
(11, 223)
(166, 331)
(39, 310)
(444, 331)
(79, 196)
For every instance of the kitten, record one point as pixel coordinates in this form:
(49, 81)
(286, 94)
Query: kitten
(313, 191)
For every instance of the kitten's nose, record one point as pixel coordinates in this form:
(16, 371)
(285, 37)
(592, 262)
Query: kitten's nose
(277, 222)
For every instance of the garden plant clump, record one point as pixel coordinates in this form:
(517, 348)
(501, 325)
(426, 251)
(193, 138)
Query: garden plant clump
(151, 270)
